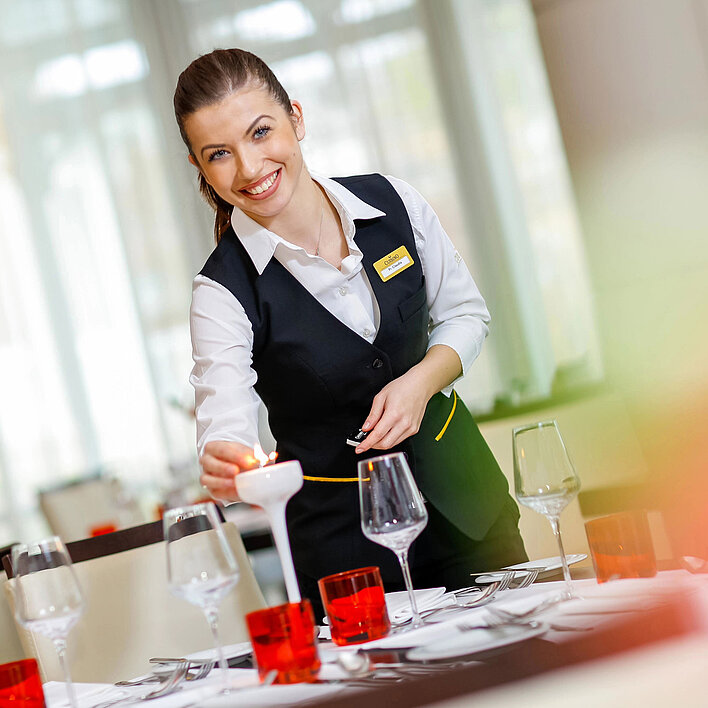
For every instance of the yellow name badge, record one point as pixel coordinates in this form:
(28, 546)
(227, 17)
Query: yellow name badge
(394, 263)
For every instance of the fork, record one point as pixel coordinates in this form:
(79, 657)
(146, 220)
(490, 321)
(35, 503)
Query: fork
(528, 579)
(168, 686)
(478, 599)
(202, 669)
(506, 577)
(537, 609)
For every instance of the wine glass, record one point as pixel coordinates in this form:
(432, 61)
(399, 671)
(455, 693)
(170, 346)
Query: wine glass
(48, 598)
(544, 478)
(201, 567)
(392, 511)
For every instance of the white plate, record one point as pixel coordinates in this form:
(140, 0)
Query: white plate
(475, 641)
(549, 565)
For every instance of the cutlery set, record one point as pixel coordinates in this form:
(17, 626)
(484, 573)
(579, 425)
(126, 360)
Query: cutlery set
(474, 596)
(366, 667)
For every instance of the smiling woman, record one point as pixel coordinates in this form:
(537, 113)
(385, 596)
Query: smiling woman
(246, 149)
(298, 303)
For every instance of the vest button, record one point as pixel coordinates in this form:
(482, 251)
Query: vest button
(377, 363)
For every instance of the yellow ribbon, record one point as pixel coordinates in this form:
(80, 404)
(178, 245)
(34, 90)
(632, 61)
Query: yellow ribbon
(330, 479)
(449, 418)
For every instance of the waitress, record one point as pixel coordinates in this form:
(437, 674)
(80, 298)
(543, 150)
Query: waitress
(342, 304)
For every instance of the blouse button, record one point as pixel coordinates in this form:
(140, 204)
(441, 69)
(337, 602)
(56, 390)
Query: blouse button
(377, 363)
(342, 291)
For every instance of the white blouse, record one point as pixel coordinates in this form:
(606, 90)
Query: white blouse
(222, 337)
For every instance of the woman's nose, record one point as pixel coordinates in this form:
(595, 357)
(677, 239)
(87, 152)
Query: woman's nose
(248, 167)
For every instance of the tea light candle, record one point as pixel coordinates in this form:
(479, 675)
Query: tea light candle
(270, 486)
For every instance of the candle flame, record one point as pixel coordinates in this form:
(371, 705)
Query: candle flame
(261, 457)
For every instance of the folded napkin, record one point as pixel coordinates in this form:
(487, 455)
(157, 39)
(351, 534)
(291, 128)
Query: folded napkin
(399, 606)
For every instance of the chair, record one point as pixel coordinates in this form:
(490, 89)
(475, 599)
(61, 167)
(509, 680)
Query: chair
(10, 647)
(101, 501)
(130, 614)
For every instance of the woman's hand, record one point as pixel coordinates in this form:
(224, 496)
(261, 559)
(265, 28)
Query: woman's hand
(221, 461)
(396, 412)
(398, 408)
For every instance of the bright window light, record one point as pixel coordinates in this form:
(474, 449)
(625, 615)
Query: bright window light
(352, 11)
(63, 76)
(99, 68)
(276, 22)
(113, 64)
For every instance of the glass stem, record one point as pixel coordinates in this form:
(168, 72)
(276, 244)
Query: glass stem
(555, 525)
(60, 646)
(403, 560)
(212, 615)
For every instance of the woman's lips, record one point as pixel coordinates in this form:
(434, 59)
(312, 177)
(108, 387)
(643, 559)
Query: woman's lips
(272, 187)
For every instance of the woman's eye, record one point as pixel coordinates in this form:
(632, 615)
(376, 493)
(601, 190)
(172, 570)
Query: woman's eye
(216, 155)
(261, 132)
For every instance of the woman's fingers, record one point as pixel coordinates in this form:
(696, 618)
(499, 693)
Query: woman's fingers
(233, 452)
(221, 461)
(377, 409)
(223, 488)
(392, 429)
(219, 468)
(388, 432)
(395, 436)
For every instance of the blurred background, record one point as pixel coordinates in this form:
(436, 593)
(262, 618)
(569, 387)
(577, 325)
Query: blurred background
(563, 143)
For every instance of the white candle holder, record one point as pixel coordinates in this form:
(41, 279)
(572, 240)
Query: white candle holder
(271, 487)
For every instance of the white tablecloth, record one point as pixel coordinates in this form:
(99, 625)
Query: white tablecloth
(596, 606)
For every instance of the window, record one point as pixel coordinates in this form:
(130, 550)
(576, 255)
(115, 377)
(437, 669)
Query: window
(102, 228)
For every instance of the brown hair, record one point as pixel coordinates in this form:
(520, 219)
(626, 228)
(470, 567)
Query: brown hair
(209, 79)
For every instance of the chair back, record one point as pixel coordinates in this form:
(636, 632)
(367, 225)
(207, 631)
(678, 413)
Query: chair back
(102, 503)
(10, 646)
(131, 616)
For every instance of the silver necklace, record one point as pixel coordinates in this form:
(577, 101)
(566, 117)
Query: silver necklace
(319, 235)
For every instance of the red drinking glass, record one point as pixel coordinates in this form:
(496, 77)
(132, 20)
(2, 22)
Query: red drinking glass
(355, 605)
(20, 685)
(621, 546)
(103, 529)
(283, 639)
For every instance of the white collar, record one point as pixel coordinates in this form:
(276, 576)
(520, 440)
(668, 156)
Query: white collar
(260, 243)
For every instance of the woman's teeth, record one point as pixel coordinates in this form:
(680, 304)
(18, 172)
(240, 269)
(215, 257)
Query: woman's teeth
(264, 185)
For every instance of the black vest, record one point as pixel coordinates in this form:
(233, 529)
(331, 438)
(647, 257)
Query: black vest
(317, 379)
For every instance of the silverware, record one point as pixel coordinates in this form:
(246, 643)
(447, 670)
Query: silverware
(537, 609)
(478, 599)
(196, 670)
(529, 579)
(170, 685)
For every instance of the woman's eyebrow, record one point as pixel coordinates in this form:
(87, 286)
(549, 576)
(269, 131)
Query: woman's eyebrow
(253, 125)
(209, 147)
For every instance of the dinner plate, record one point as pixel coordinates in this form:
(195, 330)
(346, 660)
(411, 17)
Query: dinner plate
(549, 566)
(475, 641)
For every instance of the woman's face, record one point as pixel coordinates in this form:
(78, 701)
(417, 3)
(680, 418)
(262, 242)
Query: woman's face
(247, 148)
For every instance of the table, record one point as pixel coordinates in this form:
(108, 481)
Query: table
(630, 658)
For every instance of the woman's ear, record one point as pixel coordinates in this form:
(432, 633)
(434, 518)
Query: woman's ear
(298, 121)
(193, 161)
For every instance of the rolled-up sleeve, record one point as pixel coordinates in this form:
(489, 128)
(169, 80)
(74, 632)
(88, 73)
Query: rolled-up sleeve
(458, 314)
(226, 404)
